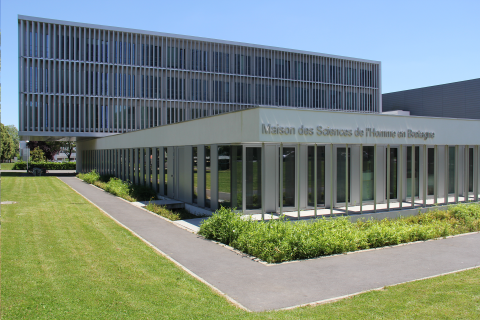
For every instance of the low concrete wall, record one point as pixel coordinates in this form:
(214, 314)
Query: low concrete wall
(395, 214)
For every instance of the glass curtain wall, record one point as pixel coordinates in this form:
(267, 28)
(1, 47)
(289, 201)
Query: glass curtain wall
(157, 168)
(230, 177)
(207, 177)
(288, 167)
(320, 164)
(342, 173)
(415, 171)
(253, 178)
(431, 171)
(470, 169)
(451, 170)
(195, 178)
(165, 158)
(393, 173)
(368, 173)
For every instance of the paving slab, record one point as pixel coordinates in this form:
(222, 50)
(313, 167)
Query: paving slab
(259, 287)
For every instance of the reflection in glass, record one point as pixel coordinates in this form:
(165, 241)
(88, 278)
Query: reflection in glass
(207, 177)
(451, 170)
(157, 169)
(416, 171)
(288, 168)
(393, 173)
(470, 169)
(230, 176)
(195, 179)
(253, 178)
(368, 173)
(165, 164)
(342, 174)
(431, 171)
(320, 175)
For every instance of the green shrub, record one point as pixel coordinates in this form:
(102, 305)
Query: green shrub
(281, 240)
(89, 177)
(174, 215)
(115, 186)
(22, 165)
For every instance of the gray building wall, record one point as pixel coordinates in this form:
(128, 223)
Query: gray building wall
(451, 100)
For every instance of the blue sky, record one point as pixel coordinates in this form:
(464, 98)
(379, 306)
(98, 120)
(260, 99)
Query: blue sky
(420, 43)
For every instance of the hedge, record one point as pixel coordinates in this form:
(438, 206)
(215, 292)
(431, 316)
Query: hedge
(278, 240)
(21, 165)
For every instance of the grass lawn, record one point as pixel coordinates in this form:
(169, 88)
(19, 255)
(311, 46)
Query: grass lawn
(62, 258)
(7, 166)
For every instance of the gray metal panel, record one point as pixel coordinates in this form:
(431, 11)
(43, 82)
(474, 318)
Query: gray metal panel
(451, 100)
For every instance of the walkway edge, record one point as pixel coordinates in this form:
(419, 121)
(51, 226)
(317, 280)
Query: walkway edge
(315, 303)
(218, 291)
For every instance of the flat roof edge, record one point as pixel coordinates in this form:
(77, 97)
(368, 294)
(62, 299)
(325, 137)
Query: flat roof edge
(193, 38)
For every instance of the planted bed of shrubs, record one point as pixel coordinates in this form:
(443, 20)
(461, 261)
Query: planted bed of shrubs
(174, 214)
(279, 240)
(115, 186)
(22, 165)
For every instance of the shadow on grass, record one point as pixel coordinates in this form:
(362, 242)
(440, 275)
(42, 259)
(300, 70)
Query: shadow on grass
(24, 174)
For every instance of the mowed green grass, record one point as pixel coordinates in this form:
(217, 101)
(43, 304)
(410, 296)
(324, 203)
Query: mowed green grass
(7, 166)
(62, 258)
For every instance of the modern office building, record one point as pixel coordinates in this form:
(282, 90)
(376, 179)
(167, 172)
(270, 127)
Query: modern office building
(257, 128)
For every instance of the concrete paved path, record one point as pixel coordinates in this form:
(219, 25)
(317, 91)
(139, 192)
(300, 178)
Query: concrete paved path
(259, 287)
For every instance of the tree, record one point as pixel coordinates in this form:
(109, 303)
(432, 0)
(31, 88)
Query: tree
(7, 145)
(13, 132)
(49, 148)
(68, 147)
(37, 155)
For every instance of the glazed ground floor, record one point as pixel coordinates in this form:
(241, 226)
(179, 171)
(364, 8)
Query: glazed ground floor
(269, 177)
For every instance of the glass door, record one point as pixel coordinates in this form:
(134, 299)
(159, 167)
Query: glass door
(393, 173)
(342, 174)
(289, 174)
(253, 181)
(320, 178)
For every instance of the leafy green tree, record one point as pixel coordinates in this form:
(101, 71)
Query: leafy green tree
(7, 145)
(68, 147)
(49, 148)
(16, 139)
(37, 155)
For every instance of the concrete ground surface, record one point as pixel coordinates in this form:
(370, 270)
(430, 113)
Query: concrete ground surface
(259, 287)
(50, 173)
